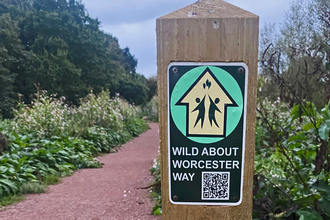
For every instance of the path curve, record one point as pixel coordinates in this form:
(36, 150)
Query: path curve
(108, 193)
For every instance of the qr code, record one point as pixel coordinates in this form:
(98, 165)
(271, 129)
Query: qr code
(215, 185)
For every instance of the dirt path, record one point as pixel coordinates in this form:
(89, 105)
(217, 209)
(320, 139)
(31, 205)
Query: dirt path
(107, 193)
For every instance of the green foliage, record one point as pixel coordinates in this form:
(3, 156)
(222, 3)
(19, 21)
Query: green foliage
(46, 116)
(292, 135)
(59, 47)
(152, 85)
(129, 61)
(156, 188)
(295, 62)
(49, 116)
(9, 200)
(32, 188)
(51, 179)
(134, 89)
(150, 110)
(3, 143)
(13, 60)
(136, 126)
(292, 169)
(97, 111)
(43, 147)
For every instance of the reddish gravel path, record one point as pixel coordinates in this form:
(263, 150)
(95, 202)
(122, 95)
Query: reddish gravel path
(107, 193)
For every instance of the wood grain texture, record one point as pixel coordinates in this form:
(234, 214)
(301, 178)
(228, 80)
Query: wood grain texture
(211, 37)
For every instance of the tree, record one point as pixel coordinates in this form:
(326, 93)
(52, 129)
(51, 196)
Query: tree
(134, 90)
(13, 61)
(296, 60)
(61, 49)
(152, 85)
(129, 61)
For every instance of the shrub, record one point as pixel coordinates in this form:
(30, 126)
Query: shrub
(291, 164)
(98, 110)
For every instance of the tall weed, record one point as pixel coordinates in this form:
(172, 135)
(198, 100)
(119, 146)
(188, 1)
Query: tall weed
(99, 111)
(45, 117)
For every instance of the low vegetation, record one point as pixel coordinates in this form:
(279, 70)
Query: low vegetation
(292, 169)
(156, 194)
(49, 139)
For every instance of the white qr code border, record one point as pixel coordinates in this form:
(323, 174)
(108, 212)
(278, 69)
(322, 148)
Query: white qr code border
(204, 193)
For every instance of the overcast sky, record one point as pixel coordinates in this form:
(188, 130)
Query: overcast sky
(133, 22)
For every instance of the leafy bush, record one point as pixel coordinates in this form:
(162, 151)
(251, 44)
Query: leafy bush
(46, 116)
(136, 126)
(98, 110)
(292, 169)
(106, 140)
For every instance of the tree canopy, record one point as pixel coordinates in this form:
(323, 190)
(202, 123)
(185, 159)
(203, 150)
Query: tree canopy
(55, 45)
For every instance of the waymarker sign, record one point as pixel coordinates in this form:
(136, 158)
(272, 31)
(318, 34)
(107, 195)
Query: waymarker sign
(207, 120)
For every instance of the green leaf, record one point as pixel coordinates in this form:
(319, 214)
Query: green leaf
(308, 126)
(322, 187)
(158, 211)
(324, 204)
(11, 171)
(324, 130)
(29, 170)
(325, 112)
(295, 112)
(55, 137)
(304, 172)
(305, 201)
(307, 215)
(299, 136)
(7, 184)
(3, 169)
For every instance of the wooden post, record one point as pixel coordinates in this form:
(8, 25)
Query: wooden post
(208, 31)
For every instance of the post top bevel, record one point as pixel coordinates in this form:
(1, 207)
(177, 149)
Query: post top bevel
(210, 9)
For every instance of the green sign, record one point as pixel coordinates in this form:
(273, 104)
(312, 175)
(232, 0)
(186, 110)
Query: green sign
(206, 116)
